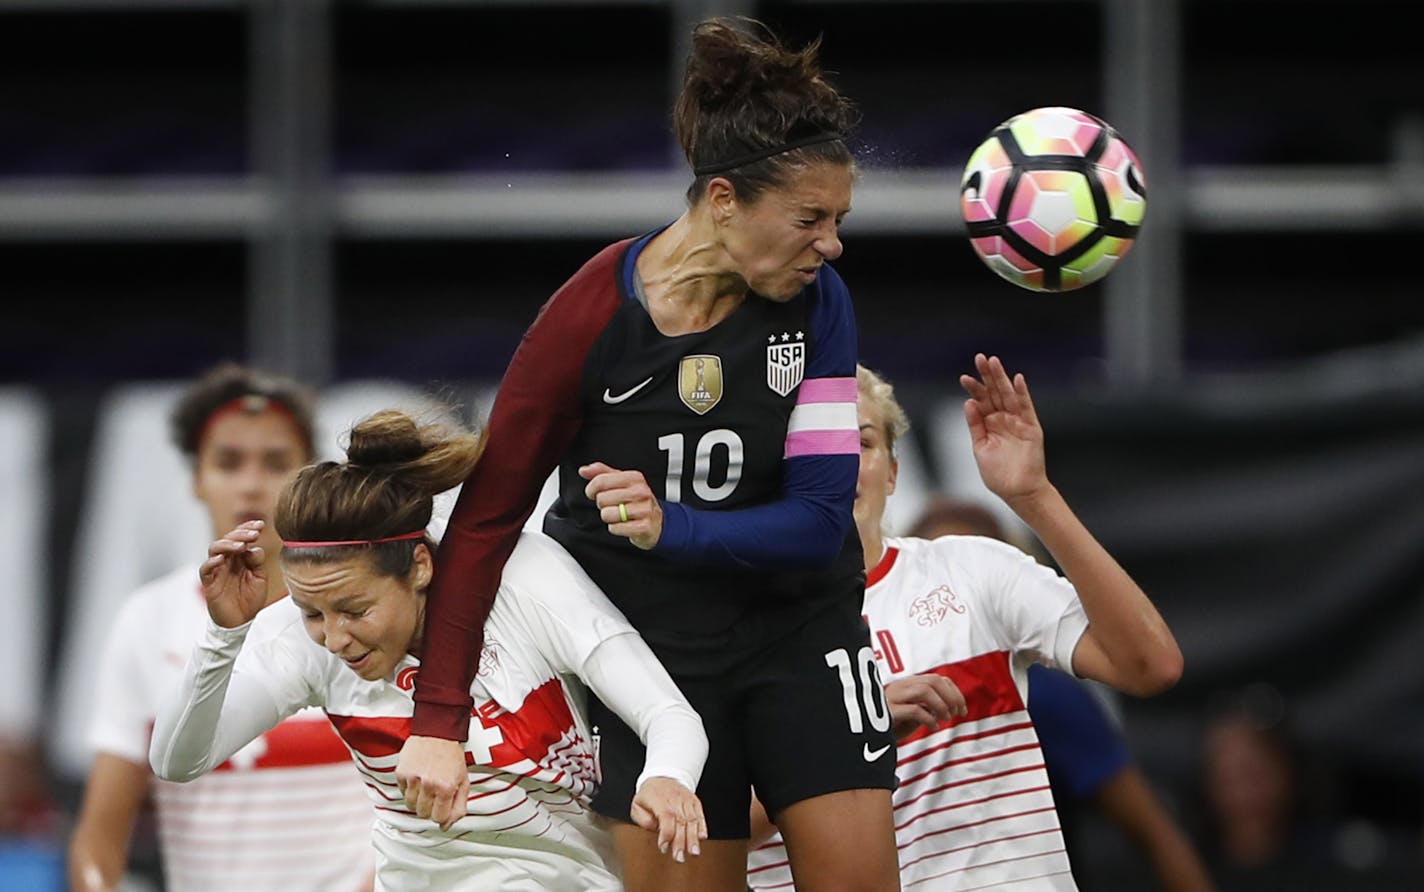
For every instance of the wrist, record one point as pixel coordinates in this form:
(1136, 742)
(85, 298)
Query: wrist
(1036, 505)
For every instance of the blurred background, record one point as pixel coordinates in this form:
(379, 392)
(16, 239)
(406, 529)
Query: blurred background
(376, 197)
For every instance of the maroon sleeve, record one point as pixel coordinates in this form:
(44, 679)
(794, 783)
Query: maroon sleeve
(535, 417)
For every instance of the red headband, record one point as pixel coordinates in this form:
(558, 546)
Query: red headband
(248, 404)
(403, 537)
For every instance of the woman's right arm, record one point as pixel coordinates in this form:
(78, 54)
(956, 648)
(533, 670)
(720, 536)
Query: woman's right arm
(99, 846)
(535, 416)
(214, 713)
(120, 718)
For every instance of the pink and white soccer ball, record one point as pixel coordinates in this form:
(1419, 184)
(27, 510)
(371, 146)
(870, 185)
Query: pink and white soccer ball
(1053, 199)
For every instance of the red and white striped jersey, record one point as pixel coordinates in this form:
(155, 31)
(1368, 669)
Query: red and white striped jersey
(531, 765)
(286, 811)
(973, 809)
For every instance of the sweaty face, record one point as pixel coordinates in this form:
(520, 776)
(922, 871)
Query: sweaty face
(243, 460)
(780, 240)
(878, 468)
(369, 620)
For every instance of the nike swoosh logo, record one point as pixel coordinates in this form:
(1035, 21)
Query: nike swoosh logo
(611, 400)
(871, 755)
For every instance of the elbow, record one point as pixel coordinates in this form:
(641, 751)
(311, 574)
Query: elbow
(163, 772)
(822, 549)
(1159, 672)
(176, 774)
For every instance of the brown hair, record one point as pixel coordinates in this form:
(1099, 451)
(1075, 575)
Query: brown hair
(742, 93)
(945, 515)
(228, 382)
(395, 466)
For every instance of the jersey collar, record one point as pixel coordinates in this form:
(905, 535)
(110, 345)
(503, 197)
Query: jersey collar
(887, 560)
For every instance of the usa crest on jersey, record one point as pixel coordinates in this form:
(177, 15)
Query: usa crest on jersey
(699, 382)
(785, 366)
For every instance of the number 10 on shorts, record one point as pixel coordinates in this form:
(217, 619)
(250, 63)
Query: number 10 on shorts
(869, 699)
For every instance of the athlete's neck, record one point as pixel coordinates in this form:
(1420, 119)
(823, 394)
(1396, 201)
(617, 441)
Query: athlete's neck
(872, 542)
(688, 278)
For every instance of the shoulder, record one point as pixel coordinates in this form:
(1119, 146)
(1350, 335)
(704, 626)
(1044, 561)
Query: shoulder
(974, 566)
(954, 548)
(597, 284)
(280, 619)
(178, 594)
(829, 293)
(541, 573)
(830, 283)
(581, 309)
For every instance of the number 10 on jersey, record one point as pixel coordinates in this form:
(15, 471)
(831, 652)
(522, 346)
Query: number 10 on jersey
(707, 444)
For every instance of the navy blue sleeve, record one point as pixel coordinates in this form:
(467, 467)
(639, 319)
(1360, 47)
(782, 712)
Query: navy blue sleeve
(808, 525)
(1081, 746)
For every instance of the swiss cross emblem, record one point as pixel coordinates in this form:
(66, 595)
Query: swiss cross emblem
(785, 362)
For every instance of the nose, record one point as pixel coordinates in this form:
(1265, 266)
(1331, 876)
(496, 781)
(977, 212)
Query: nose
(252, 480)
(333, 637)
(828, 245)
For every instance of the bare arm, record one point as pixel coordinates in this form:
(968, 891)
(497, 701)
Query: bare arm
(1127, 644)
(1128, 799)
(99, 846)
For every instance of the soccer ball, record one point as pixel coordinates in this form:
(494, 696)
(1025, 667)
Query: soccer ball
(1053, 199)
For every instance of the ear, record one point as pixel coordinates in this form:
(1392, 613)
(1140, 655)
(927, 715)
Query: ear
(721, 199)
(894, 475)
(423, 568)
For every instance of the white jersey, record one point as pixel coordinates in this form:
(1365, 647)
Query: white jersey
(532, 768)
(973, 809)
(285, 812)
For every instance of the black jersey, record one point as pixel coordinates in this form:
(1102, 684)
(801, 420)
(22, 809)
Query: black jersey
(747, 432)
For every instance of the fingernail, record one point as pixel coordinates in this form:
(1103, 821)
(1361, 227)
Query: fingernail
(695, 849)
(678, 856)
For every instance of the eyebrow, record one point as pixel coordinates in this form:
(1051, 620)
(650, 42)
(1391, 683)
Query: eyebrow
(342, 604)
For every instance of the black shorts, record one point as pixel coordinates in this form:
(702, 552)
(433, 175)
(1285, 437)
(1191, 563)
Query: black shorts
(804, 718)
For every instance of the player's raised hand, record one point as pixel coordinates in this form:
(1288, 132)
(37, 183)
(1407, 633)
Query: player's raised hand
(674, 812)
(625, 502)
(234, 578)
(1005, 431)
(927, 701)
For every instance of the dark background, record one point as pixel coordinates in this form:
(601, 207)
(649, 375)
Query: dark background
(1270, 497)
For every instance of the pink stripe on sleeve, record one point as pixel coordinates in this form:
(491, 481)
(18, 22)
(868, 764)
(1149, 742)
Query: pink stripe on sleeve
(816, 442)
(827, 390)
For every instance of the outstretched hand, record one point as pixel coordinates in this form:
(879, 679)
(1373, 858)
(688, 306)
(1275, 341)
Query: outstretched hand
(625, 502)
(674, 812)
(1005, 431)
(234, 577)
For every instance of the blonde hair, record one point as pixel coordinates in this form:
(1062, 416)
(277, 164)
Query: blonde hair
(878, 392)
(395, 466)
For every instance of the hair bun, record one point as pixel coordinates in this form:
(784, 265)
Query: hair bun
(385, 438)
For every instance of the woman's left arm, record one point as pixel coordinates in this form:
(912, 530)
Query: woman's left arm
(623, 672)
(1127, 644)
